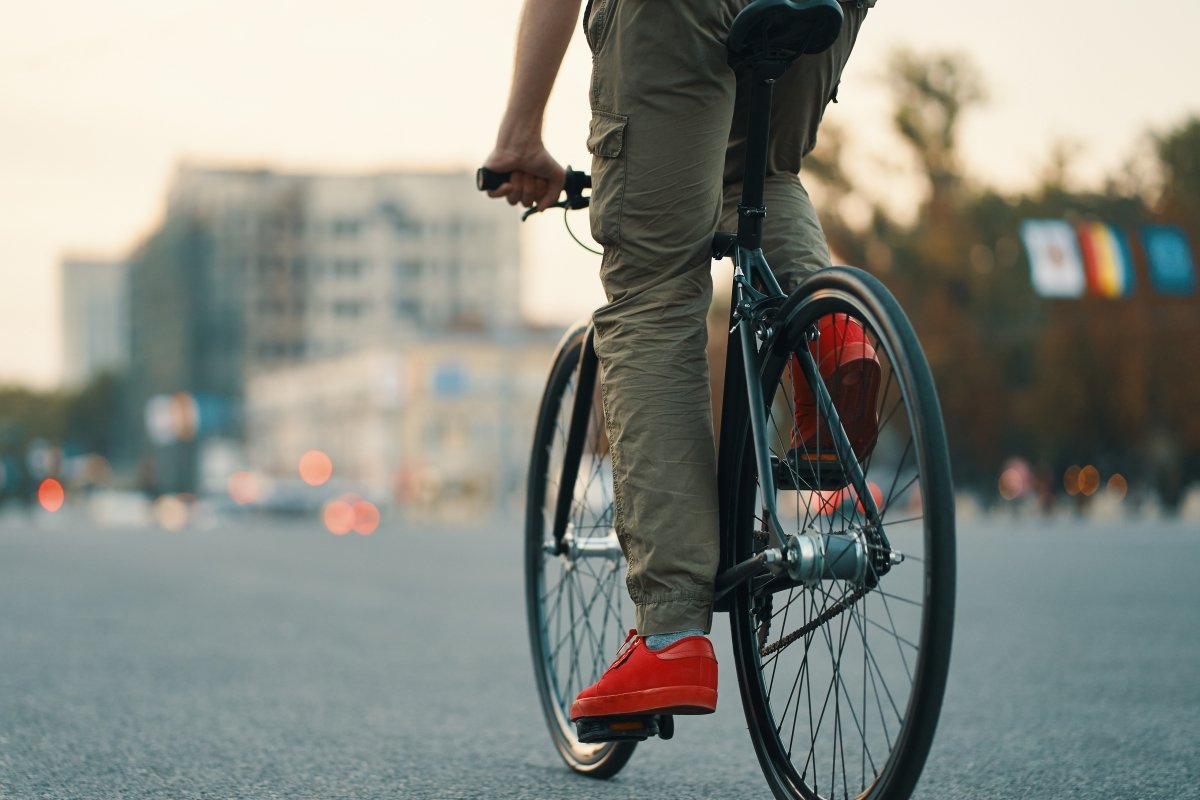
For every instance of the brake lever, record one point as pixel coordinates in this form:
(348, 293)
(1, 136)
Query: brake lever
(571, 203)
(536, 209)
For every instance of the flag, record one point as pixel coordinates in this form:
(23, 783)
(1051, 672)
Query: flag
(1107, 261)
(1169, 256)
(1055, 264)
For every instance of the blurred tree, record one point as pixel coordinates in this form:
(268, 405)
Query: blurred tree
(930, 94)
(940, 274)
(1092, 380)
(26, 417)
(1178, 153)
(74, 423)
(825, 167)
(1173, 446)
(92, 415)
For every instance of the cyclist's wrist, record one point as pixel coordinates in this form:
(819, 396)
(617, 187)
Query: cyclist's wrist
(520, 132)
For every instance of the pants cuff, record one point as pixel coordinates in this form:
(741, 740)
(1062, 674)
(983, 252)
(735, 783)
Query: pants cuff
(669, 616)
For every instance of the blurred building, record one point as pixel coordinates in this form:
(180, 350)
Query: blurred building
(95, 318)
(251, 270)
(438, 425)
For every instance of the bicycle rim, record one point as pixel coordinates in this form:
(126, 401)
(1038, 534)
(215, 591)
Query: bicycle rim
(842, 681)
(577, 607)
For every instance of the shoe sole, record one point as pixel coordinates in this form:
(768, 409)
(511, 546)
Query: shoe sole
(663, 700)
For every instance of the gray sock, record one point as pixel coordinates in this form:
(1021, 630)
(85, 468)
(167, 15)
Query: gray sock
(657, 641)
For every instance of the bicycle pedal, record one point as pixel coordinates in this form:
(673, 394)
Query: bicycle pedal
(809, 472)
(594, 730)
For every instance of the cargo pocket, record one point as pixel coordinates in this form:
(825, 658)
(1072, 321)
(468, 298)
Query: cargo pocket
(606, 143)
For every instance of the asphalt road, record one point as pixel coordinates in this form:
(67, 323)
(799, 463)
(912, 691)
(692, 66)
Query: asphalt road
(268, 660)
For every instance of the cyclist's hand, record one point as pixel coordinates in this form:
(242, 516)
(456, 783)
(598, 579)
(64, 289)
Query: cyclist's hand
(536, 177)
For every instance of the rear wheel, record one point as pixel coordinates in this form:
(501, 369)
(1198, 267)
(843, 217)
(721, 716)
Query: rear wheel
(577, 606)
(842, 679)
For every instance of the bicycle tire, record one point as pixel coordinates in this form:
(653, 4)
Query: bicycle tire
(868, 716)
(570, 642)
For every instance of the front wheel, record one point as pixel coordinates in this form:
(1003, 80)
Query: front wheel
(842, 677)
(576, 602)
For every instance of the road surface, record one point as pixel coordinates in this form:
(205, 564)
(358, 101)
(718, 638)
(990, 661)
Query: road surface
(269, 659)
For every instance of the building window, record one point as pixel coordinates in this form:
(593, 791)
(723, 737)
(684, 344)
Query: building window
(348, 268)
(346, 228)
(348, 309)
(408, 270)
(408, 308)
(271, 307)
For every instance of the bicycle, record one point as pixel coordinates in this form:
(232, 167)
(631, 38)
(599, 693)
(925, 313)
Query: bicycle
(837, 570)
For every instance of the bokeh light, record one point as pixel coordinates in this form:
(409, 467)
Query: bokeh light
(876, 493)
(1016, 479)
(1071, 480)
(1089, 480)
(51, 495)
(1010, 488)
(366, 518)
(339, 517)
(351, 513)
(244, 487)
(171, 512)
(187, 416)
(315, 468)
(172, 418)
(1118, 487)
(831, 501)
(823, 502)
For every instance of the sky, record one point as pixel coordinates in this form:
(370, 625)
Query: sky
(100, 102)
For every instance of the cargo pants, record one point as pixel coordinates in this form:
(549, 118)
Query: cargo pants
(667, 139)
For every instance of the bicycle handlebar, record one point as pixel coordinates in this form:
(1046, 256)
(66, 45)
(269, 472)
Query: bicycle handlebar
(574, 185)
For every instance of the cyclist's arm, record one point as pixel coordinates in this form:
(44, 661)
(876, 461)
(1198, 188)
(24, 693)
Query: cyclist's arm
(542, 38)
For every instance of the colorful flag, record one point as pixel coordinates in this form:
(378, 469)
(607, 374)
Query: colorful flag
(1107, 261)
(1169, 256)
(1055, 264)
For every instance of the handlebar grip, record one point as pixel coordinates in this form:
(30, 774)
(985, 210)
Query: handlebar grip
(486, 180)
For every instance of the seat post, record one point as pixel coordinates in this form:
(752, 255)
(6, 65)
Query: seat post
(751, 211)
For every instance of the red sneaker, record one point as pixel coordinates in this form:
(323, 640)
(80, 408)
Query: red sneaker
(848, 364)
(681, 678)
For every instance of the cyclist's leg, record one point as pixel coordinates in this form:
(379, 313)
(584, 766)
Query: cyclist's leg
(662, 97)
(795, 245)
(793, 241)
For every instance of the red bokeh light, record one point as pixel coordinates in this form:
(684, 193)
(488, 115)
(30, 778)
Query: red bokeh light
(366, 518)
(339, 517)
(351, 513)
(315, 467)
(831, 501)
(51, 495)
(876, 493)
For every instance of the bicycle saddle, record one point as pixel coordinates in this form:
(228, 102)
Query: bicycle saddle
(783, 30)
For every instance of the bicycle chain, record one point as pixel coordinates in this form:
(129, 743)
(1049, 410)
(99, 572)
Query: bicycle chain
(829, 613)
